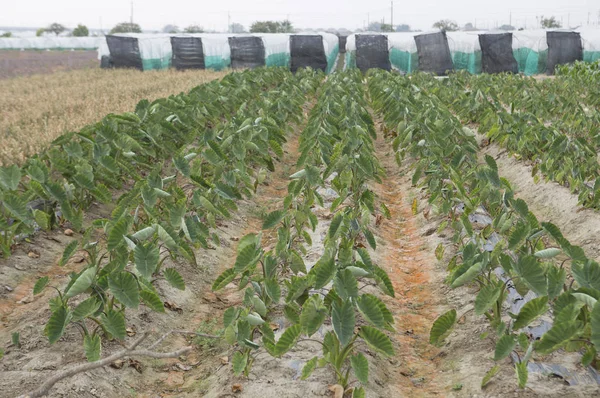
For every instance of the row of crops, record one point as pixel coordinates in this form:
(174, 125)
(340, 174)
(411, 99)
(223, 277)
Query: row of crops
(537, 290)
(171, 171)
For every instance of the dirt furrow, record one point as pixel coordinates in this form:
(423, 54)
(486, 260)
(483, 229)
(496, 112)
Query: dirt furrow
(408, 258)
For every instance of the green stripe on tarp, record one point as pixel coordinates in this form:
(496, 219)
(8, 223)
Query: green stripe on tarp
(156, 63)
(404, 61)
(332, 57)
(216, 62)
(350, 60)
(278, 59)
(467, 61)
(591, 56)
(531, 62)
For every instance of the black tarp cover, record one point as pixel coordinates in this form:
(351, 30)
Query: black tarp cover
(343, 40)
(124, 52)
(497, 53)
(187, 53)
(563, 48)
(372, 52)
(307, 51)
(434, 53)
(247, 52)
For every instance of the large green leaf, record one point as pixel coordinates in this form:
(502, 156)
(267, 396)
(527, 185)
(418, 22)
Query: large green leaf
(82, 283)
(442, 327)
(124, 287)
(40, 284)
(68, 252)
(360, 366)
(288, 339)
(152, 300)
(530, 311)
(595, 324)
(309, 367)
(93, 347)
(345, 284)
(377, 340)
(273, 218)
(239, 362)
(532, 274)
(324, 271)
(383, 281)
(167, 236)
(10, 177)
(246, 257)
(487, 297)
(222, 280)
(146, 259)
(15, 205)
(117, 232)
(522, 373)
(114, 323)
(466, 277)
(86, 308)
(174, 278)
(504, 346)
(335, 225)
(313, 314)
(57, 323)
(370, 309)
(489, 375)
(559, 335)
(343, 320)
(547, 253)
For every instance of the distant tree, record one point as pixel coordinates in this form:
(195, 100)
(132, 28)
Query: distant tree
(272, 27)
(469, 27)
(126, 27)
(549, 23)
(56, 28)
(403, 28)
(40, 32)
(446, 25)
(6, 34)
(237, 28)
(286, 27)
(386, 27)
(81, 31)
(170, 29)
(194, 29)
(507, 27)
(374, 27)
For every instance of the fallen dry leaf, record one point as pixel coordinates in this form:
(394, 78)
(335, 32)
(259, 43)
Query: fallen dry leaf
(131, 331)
(137, 365)
(274, 326)
(337, 390)
(69, 232)
(236, 388)
(173, 307)
(33, 254)
(224, 360)
(118, 364)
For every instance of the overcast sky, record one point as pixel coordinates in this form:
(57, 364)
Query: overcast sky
(350, 14)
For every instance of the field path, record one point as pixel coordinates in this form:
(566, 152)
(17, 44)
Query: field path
(411, 265)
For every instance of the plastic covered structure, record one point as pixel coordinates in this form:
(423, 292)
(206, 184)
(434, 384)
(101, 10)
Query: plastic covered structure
(137, 50)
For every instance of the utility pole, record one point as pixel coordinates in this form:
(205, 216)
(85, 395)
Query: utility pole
(368, 21)
(589, 18)
(569, 20)
(510, 18)
(228, 22)
(131, 14)
(392, 15)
